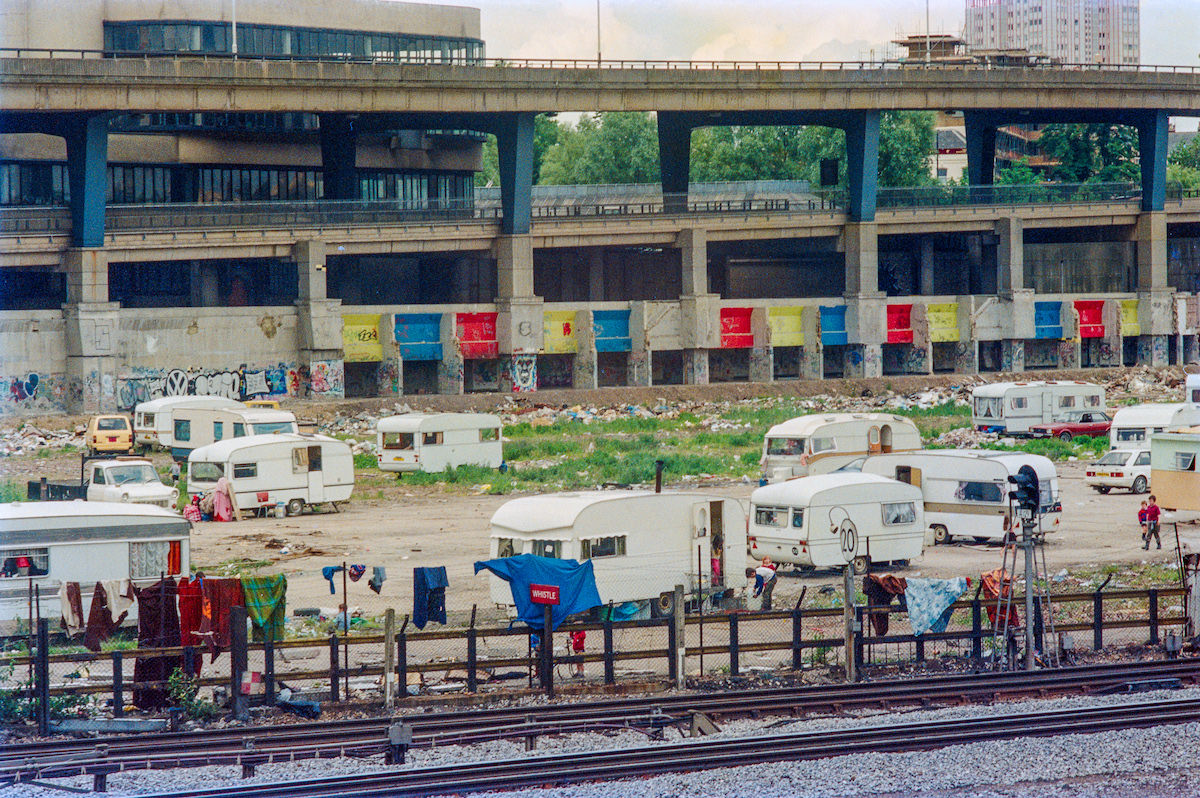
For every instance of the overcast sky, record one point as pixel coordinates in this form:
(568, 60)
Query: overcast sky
(767, 30)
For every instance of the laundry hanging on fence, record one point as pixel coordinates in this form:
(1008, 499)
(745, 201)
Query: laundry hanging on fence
(429, 595)
(930, 600)
(378, 577)
(997, 584)
(120, 595)
(327, 574)
(191, 613)
(881, 590)
(71, 602)
(158, 627)
(576, 584)
(356, 572)
(220, 596)
(266, 604)
(100, 623)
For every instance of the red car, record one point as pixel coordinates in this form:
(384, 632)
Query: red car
(1089, 423)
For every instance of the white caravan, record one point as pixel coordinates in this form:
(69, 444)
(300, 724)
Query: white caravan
(1011, 408)
(199, 426)
(641, 544)
(433, 442)
(831, 520)
(1132, 426)
(85, 542)
(824, 442)
(154, 421)
(286, 469)
(966, 490)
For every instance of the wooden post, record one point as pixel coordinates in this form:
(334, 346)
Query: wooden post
(402, 658)
(346, 631)
(848, 620)
(118, 705)
(389, 658)
(797, 639)
(680, 653)
(734, 656)
(334, 675)
(41, 677)
(1097, 620)
(1153, 600)
(238, 661)
(548, 652)
(610, 671)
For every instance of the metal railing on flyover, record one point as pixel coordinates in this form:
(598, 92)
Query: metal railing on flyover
(589, 63)
(367, 213)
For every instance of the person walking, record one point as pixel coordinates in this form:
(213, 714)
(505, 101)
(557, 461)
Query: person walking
(1152, 514)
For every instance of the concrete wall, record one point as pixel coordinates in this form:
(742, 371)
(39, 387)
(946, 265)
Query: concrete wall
(33, 362)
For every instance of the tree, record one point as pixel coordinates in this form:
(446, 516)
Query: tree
(618, 147)
(1186, 154)
(1019, 174)
(1185, 176)
(906, 142)
(1092, 153)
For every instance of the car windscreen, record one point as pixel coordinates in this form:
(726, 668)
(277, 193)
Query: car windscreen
(205, 472)
(124, 475)
(275, 426)
(112, 424)
(1113, 458)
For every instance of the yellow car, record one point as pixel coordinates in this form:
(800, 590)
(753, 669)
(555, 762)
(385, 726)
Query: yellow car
(109, 434)
(265, 404)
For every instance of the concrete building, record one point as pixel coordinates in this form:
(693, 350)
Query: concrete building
(1070, 31)
(160, 243)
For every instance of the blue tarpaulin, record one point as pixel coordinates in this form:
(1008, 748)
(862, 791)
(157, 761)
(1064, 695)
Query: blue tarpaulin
(929, 602)
(576, 584)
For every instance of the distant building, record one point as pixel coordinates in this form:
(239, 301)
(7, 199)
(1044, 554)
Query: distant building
(1071, 31)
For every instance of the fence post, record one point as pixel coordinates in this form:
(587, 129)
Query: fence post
(402, 658)
(679, 648)
(118, 704)
(920, 648)
(858, 642)
(734, 655)
(610, 671)
(1039, 625)
(797, 638)
(976, 628)
(41, 676)
(672, 649)
(1153, 616)
(1097, 620)
(334, 668)
(389, 658)
(269, 669)
(237, 661)
(472, 680)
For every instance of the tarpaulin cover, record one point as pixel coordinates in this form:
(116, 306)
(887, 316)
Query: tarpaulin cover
(929, 602)
(1091, 317)
(736, 331)
(899, 324)
(575, 581)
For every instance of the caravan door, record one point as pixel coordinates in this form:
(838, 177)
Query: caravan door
(1047, 407)
(307, 459)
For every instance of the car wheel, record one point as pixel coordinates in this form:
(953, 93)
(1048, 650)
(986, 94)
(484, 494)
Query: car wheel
(1139, 485)
(295, 507)
(940, 534)
(861, 564)
(1103, 490)
(1065, 436)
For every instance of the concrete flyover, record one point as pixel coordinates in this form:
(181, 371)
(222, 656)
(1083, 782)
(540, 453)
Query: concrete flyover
(193, 84)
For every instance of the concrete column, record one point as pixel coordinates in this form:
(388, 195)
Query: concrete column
(1152, 155)
(981, 148)
(920, 359)
(450, 369)
(762, 354)
(1155, 298)
(638, 365)
(514, 266)
(926, 282)
(87, 276)
(812, 355)
(92, 328)
(339, 157)
(518, 373)
(861, 244)
(863, 360)
(595, 266)
(966, 350)
(1111, 348)
(86, 137)
(309, 256)
(1012, 355)
(693, 255)
(390, 377)
(1010, 255)
(1151, 234)
(862, 165)
(674, 157)
(586, 373)
(514, 144)
(695, 367)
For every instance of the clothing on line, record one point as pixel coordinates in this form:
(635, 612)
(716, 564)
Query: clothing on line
(930, 600)
(266, 604)
(429, 595)
(100, 623)
(191, 613)
(327, 573)
(356, 572)
(378, 577)
(220, 596)
(576, 583)
(71, 602)
(158, 627)
(119, 593)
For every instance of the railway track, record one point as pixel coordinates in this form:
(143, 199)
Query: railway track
(251, 746)
(577, 767)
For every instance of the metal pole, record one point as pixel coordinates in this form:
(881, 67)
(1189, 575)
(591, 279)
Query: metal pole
(547, 653)
(928, 43)
(233, 18)
(700, 608)
(598, 33)
(680, 652)
(389, 658)
(345, 633)
(1027, 533)
(848, 619)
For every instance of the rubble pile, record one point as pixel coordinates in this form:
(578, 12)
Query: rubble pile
(965, 438)
(1146, 384)
(29, 439)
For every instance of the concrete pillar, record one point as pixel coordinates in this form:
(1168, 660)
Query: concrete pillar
(87, 276)
(309, 256)
(1152, 155)
(926, 283)
(674, 158)
(450, 378)
(862, 164)
(693, 255)
(861, 244)
(695, 367)
(1012, 355)
(1156, 315)
(586, 372)
(1151, 231)
(86, 137)
(595, 267)
(920, 358)
(863, 360)
(698, 332)
(638, 372)
(762, 360)
(514, 145)
(92, 328)
(1010, 255)
(812, 355)
(389, 380)
(518, 373)
(980, 130)
(966, 349)
(514, 266)
(339, 157)
(1111, 347)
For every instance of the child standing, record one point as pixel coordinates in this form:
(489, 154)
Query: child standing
(578, 640)
(1152, 514)
(1142, 520)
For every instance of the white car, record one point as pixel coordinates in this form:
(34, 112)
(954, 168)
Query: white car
(128, 479)
(1120, 468)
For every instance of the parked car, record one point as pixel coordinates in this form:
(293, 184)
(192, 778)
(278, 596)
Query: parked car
(1093, 424)
(1120, 468)
(109, 434)
(110, 479)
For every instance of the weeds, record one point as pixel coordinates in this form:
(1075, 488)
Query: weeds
(184, 691)
(11, 491)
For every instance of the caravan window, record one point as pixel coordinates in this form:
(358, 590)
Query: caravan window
(183, 429)
(397, 440)
(1066, 401)
(275, 426)
(979, 492)
(147, 419)
(149, 559)
(822, 445)
(206, 472)
(1185, 461)
(797, 519)
(506, 547)
(785, 447)
(988, 406)
(895, 513)
(307, 458)
(218, 430)
(245, 470)
(239, 429)
(1128, 435)
(431, 438)
(602, 547)
(548, 548)
(770, 516)
(1047, 496)
(1091, 400)
(1020, 402)
(16, 563)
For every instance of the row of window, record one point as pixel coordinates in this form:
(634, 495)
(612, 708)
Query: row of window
(589, 549)
(147, 560)
(280, 40)
(42, 183)
(404, 441)
(894, 514)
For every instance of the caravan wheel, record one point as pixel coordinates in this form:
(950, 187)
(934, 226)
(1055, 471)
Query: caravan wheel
(295, 507)
(940, 535)
(861, 564)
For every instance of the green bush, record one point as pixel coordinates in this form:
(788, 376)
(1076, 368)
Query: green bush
(365, 460)
(11, 491)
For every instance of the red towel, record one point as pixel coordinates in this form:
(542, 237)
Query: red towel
(191, 605)
(219, 597)
(100, 624)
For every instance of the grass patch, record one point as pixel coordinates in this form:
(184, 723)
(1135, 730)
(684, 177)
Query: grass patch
(1082, 447)
(364, 460)
(11, 491)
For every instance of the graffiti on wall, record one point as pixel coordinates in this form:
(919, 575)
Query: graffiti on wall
(33, 392)
(145, 384)
(328, 379)
(521, 373)
(556, 371)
